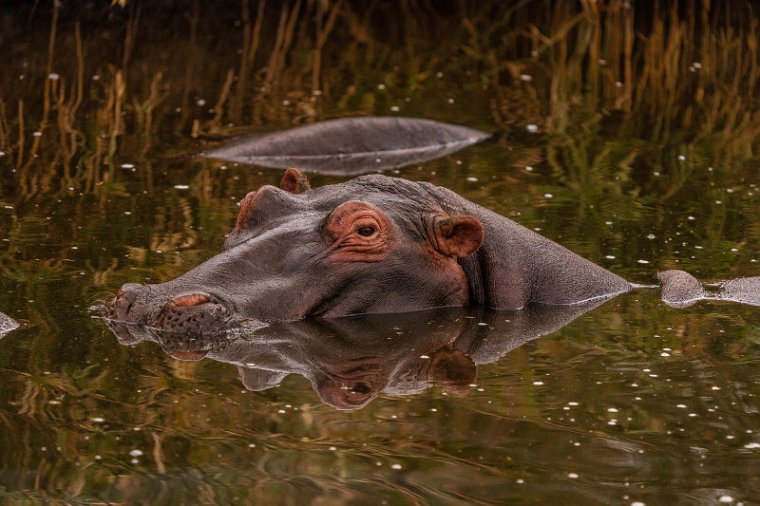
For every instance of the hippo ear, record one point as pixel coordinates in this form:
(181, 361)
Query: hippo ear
(294, 181)
(458, 236)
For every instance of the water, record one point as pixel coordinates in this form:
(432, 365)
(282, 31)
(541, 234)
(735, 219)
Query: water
(630, 402)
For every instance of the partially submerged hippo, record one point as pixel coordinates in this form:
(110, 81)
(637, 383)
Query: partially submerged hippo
(374, 244)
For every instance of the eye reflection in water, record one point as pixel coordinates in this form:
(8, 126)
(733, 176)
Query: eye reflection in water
(350, 361)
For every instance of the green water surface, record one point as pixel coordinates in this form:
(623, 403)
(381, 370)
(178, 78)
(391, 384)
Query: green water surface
(628, 136)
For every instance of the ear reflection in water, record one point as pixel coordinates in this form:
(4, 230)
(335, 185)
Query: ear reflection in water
(350, 361)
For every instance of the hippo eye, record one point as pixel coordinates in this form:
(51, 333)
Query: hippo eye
(366, 231)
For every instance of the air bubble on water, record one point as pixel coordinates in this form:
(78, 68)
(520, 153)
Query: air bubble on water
(642, 261)
(538, 383)
(136, 452)
(127, 165)
(181, 187)
(725, 499)
(610, 257)
(651, 236)
(532, 128)
(472, 179)
(396, 466)
(519, 481)
(54, 76)
(681, 157)
(97, 419)
(529, 168)
(526, 77)
(201, 102)
(612, 410)
(752, 446)
(548, 195)
(395, 108)
(572, 476)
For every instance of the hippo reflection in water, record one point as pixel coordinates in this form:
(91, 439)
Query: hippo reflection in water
(349, 361)
(374, 244)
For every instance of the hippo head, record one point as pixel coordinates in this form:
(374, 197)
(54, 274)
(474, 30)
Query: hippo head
(371, 245)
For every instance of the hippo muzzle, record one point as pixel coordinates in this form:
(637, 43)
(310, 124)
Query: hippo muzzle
(197, 312)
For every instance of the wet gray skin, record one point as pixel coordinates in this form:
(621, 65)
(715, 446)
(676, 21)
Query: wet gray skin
(681, 289)
(351, 146)
(349, 361)
(374, 244)
(7, 324)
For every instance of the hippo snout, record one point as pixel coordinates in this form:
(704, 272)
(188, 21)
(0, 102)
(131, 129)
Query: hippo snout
(194, 312)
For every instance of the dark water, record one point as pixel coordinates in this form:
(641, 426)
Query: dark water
(630, 402)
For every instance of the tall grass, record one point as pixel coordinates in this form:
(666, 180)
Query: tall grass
(680, 72)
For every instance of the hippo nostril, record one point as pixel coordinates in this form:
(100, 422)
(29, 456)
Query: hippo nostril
(195, 299)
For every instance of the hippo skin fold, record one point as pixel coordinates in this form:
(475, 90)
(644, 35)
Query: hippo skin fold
(374, 244)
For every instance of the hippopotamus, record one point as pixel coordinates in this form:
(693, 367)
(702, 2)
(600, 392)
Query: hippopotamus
(373, 244)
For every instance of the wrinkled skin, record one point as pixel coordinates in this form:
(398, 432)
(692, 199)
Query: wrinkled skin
(374, 244)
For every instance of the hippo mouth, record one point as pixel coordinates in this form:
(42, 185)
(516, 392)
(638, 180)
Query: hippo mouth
(189, 313)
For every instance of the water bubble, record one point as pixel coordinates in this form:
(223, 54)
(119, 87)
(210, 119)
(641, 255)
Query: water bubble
(472, 179)
(642, 261)
(135, 453)
(396, 466)
(181, 187)
(572, 476)
(531, 128)
(381, 86)
(53, 76)
(725, 499)
(526, 77)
